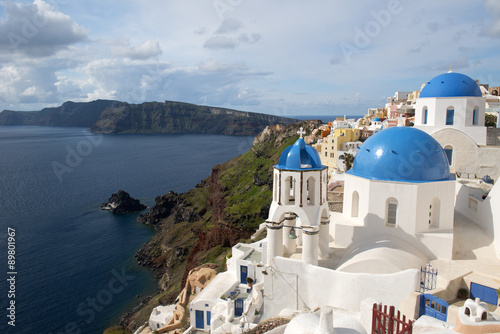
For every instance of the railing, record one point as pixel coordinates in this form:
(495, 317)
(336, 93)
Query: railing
(384, 322)
(428, 278)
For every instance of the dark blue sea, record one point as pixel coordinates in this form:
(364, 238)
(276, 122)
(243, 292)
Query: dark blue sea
(74, 269)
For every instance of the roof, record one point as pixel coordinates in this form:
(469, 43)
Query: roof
(300, 156)
(402, 154)
(376, 119)
(451, 84)
(221, 284)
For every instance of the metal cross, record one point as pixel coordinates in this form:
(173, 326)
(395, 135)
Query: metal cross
(301, 132)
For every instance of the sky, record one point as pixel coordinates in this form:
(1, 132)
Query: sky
(294, 57)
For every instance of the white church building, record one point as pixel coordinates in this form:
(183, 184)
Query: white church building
(451, 108)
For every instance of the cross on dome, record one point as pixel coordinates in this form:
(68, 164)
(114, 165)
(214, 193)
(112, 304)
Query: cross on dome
(301, 132)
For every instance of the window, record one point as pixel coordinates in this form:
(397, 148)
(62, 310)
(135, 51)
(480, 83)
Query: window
(448, 150)
(332, 155)
(209, 315)
(355, 204)
(475, 116)
(326, 154)
(425, 114)
(289, 190)
(392, 212)
(450, 115)
(434, 213)
(310, 190)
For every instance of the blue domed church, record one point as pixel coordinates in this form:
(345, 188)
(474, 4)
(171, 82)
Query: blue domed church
(452, 101)
(399, 190)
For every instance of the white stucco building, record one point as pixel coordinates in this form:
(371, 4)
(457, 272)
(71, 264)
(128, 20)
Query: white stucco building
(401, 188)
(452, 101)
(451, 108)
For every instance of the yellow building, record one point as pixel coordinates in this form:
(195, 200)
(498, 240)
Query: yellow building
(332, 148)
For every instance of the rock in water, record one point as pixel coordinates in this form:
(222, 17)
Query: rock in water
(121, 202)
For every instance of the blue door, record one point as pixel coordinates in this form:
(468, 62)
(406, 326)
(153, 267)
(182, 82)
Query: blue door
(238, 307)
(486, 294)
(433, 307)
(243, 274)
(200, 324)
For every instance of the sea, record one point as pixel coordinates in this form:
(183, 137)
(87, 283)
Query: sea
(68, 266)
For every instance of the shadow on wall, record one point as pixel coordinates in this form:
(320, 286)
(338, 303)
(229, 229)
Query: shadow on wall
(474, 222)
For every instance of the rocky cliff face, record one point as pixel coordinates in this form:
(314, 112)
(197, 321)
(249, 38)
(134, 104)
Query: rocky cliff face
(81, 114)
(178, 117)
(106, 116)
(201, 225)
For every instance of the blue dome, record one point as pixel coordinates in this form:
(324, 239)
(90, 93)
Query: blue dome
(451, 84)
(300, 156)
(401, 154)
(376, 119)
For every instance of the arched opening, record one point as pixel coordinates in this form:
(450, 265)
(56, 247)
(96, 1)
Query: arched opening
(475, 116)
(484, 315)
(448, 150)
(391, 209)
(290, 190)
(450, 115)
(434, 208)
(467, 310)
(425, 114)
(275, 187)
(355, 204)
(310, 189)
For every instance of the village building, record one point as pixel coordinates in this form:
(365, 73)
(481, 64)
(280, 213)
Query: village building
(332, 149)
(451, 108)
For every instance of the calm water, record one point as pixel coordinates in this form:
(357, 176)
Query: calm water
(74, 262)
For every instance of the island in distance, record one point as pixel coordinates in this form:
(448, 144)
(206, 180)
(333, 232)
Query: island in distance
(108, 116)
(121, 202)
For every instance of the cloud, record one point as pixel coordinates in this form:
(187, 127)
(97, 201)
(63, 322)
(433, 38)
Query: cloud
(253, 38)
(146, 50)
(229, 25)
(211, 82)
(493, 28)
(220, 43)
(200, 31)
(28, 83)
(433, 26)
(37, 30)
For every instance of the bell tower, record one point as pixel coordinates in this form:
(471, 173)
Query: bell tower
(298, 216)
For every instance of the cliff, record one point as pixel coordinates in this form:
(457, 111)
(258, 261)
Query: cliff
(201, 225)
(108, 116)
(80, 114)
(178, 117)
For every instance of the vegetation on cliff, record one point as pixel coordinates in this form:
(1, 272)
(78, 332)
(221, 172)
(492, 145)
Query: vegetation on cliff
(201, 225)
